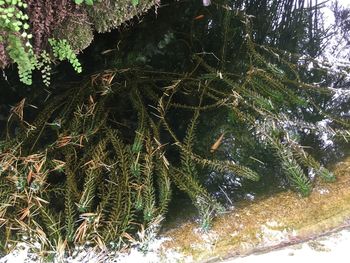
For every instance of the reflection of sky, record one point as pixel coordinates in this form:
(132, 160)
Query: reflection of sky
(337, 53)
(336, 46)
(328, 12)
(335, 58)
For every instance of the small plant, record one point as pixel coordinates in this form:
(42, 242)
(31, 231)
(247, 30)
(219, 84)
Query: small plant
(44, 65)
(88, 2)
(62, 50)
(14, 22)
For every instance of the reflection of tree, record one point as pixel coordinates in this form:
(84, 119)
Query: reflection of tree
(342, 20)
(105, 153)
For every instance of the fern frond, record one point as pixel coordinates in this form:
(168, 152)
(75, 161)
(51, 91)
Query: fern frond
(50, 223)
(325, 174)
(293, 171)
(225, 166)
(198, 194)
(122, 153)
(148, 187)
(308, 161)
(92, 175)
(88, 193)
(121, 211)
(296, 176)
(164, 186)
(70, 215)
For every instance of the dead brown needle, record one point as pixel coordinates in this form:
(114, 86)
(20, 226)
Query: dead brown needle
(218, 142)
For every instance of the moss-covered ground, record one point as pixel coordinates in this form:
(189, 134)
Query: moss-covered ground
(272, 222)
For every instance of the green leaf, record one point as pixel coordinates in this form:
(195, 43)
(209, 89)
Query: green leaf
(135, 2)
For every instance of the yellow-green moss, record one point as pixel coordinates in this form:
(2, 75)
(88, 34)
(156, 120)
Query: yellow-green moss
(102, 16)
(79, 35)
(108, 14)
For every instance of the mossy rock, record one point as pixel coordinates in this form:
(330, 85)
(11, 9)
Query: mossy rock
(79, 22)
(109, 14)
(102, 17)
(79, 35)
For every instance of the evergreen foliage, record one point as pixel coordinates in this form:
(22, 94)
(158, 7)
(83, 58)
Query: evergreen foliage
(98, 163)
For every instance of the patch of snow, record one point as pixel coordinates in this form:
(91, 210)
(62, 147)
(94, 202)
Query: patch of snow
(271, 233)
(323, 191)
(331, 248)
(18, 255)
(209, 238)
(22, 254)
(250, 197)
(311, 173)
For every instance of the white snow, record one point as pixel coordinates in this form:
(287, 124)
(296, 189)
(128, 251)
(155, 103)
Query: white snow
(22, 254)
(271, 235)
(19, 255)
(332, 248)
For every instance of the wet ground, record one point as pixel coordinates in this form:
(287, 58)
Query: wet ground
(267, 224)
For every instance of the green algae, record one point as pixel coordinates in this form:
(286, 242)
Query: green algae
(275, 221)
